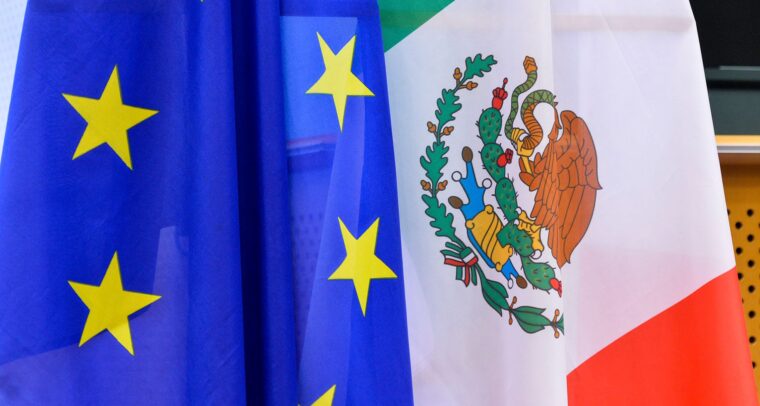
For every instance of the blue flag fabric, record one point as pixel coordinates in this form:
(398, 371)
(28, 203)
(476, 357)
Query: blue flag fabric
(264, 208)
(350, 310)
(118, 208)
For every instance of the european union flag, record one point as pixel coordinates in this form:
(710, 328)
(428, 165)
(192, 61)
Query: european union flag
(351, 317)
(119, 240)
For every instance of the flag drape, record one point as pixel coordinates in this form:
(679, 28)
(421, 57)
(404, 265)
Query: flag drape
(264, 205)
(120, 267)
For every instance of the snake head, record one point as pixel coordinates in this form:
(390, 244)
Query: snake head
(517, 137)
(530, 65)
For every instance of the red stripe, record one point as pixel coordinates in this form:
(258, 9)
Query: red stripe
(694, 353)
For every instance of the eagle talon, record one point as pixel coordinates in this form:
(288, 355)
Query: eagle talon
(517, 140)
(533, 230)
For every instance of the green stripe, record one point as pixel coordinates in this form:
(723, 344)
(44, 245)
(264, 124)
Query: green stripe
(401, 17)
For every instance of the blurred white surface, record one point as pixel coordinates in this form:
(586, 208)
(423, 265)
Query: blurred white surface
(11, 20)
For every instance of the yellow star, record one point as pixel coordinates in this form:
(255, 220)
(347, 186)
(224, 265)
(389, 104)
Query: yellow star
(110, 305)
(338, 80)
(108, 120)
(326, 399)
(361, 265)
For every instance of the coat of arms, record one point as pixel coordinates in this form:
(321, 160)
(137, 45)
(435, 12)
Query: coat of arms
(504, 241)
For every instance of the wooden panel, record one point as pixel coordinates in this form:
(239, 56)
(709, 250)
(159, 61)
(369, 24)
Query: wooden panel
(742, 188)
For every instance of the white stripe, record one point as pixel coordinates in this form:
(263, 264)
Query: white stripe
(462, 351)
(660, 229)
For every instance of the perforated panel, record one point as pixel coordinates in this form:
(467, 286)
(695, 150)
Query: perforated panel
(742, 186)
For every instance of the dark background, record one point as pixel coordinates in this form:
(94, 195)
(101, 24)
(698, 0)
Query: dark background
(729, 31)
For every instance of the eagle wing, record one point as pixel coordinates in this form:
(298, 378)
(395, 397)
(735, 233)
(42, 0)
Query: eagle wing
(565, 180)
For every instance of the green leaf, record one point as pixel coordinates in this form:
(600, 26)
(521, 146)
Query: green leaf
(530, 319)
(450, 245)
(493, 304)
(447, 106)
(561, 324)
(451, 253)
(493, 292)
(434, 161)
(530, 309)
(501, 289)
(477, 66)
(441, 221)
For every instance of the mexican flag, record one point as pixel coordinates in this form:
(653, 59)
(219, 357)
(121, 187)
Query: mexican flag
(564, 230)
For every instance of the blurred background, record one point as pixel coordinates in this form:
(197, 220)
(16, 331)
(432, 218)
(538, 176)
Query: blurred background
(728, 32)
(11, 18)
(729, 35)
